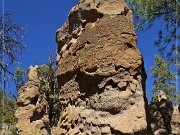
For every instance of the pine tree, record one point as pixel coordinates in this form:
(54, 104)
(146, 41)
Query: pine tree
(146, 12)
(164, 78)
(11, 43)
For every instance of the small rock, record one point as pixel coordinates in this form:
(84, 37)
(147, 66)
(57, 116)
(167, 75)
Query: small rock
(106, 130)
(122, 85)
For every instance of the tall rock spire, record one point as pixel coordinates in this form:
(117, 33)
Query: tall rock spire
(100, 71)
(31, 114)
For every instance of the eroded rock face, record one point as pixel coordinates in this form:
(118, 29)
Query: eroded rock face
(100, 71)
(175, 122)
(31, 114)
(162, 115)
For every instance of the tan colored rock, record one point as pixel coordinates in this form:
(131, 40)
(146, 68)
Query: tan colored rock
(122, 85)
(27, 94)
(176, 109)
(161, 112)
(31, 114)
(100, 71)
(175, 122)
(160, 95)
(32, 74)
(5, 129)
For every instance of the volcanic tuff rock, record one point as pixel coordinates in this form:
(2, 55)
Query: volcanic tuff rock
(100, 71)
(165, 119)
(175, 122)
(31, 114)
(6, 129)
(161, 115)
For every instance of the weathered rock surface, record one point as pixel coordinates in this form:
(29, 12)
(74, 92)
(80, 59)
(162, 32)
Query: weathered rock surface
(175, 122)
(100, 71)
(31, 114)
(6, 129)
(162, 115)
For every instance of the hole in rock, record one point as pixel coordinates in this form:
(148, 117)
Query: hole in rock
(87, 42)
(81, 130)
(129, 45)
(36, 116)
(98, 5)
(116, 132)
(88, 5)
(91, 70)
(72, 126)
(111, 83)
(64, 126)
(76, 122)
(91, 15)
(74, 54)
(118, 67)
(34, 100)
(68, 46)
(113, 111)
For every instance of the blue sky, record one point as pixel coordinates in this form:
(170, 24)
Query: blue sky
(43, 17)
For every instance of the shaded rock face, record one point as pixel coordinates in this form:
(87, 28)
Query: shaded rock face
(31, 114)
(161, 115)
(161, 112)
(100, 71)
